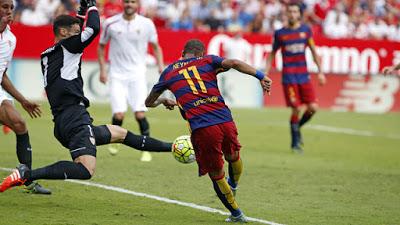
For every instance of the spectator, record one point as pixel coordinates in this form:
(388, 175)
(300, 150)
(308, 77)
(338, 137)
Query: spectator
(377, 28)
(39, 12)
(338, 28)
(376, 19)
(201, 11)
(174, 10)
(235, 23)
(213, 22)
(257, 24)
(394, 32)
(224, 12)
(185, 22)
(112, 7)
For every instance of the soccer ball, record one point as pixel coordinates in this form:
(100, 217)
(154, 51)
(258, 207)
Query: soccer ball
(182, 149)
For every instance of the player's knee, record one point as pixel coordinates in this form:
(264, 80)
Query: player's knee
(140, 115)
(295, 110)
(232, 157)
(119, 116)
(217, 174)
(313, 108)
(87, 164)
(18, 125)
(87, 169)
(118, 133)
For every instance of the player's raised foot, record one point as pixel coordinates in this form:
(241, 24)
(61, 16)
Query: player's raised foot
(237, 219)
(113, 150)
(297, 149)
(146, 157)
(232, 185)
(6, 129)
(16, 178)
(36, 188)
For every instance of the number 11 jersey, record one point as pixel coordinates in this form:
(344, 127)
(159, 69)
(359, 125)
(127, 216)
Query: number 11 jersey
(193, 81)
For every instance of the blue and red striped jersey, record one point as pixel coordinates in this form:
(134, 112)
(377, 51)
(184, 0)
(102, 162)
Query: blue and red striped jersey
(193, 81)
(293, 43)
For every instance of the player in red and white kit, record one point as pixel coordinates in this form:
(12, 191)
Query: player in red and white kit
(9, 116)
(293, 41)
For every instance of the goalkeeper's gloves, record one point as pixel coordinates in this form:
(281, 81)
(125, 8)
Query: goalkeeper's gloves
(82, 8)
(91, 3)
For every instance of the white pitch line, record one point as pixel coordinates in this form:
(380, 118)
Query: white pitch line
(343, 130)
(158, 198)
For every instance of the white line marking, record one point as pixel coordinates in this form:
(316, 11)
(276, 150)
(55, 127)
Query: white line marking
(343, 130)
(337, 130)
(158, 198)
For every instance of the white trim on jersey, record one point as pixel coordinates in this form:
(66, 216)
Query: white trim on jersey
(86, 34)
(70, 68)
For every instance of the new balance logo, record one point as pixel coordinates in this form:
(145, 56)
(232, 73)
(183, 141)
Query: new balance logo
(374, 95)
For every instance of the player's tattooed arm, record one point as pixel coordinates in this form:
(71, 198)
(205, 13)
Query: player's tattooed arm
(243, 67)
(153, 101)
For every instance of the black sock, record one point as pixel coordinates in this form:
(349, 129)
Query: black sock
(144, 126)
(306, 117)
(116, 121)
(59, 171)
(24, 150)
(102, 135)
(145, 143)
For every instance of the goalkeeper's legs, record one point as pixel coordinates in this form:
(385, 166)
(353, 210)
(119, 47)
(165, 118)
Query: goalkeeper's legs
(106, 134)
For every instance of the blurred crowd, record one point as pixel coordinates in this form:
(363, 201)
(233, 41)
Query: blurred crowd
(361, 19)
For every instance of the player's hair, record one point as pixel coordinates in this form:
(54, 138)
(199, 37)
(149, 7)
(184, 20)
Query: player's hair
(297, 5)
(64, 21)
(194, 46)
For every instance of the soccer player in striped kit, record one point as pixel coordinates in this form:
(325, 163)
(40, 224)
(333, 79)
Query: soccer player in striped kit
(293, 40)
(193, 81)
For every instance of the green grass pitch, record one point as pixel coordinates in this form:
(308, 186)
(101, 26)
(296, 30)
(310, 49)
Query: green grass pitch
(342, 179)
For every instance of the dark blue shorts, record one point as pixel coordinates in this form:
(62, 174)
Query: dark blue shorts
(74, 130)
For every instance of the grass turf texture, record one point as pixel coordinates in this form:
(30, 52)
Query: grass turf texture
(341, 179)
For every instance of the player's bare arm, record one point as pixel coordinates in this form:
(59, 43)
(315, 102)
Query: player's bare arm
(153, 101)
(32, 108)
(102, 63)
(159, 55)
(243, 67)
(321, 75)
(270, 59)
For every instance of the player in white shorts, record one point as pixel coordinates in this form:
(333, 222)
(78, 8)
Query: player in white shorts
(129, 35)
(8, 114)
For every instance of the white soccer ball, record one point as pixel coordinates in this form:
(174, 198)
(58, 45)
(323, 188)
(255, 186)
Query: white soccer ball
(182, 149)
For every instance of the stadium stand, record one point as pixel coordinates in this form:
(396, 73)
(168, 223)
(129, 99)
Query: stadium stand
(360, 19)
